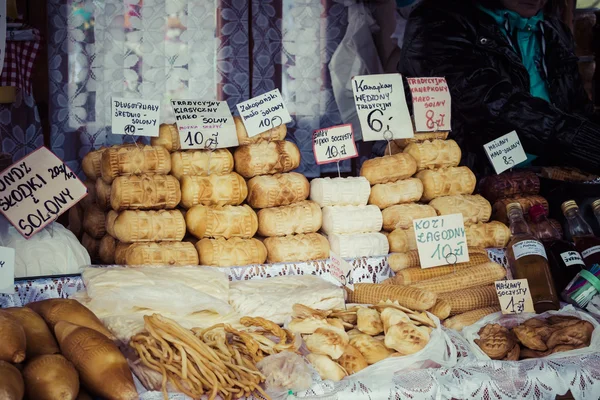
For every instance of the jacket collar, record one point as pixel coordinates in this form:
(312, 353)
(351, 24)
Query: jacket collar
(508, 18)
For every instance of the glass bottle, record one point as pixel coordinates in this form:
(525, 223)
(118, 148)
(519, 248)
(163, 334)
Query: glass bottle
(527, 259)
(581, 232)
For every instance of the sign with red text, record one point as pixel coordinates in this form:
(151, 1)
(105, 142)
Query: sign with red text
(431, 104)
(263, 112)
(334, 144)
(441, 240)
(204, 124)
(36, 190)
(135, 117)
(7, 270)
(341, 270)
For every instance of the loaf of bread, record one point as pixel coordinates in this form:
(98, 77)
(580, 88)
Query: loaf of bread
(474, 208)
(201, 162)
(94, 221)
(351, 219)
(168, 137)
(350, 191)
(402, 240)
(90, 198)
(145, 192)
(91, 245)
(231, 252)
(266, 158)
(224, 221)
(164, 253)
(277, 190)
(134, 160)
(526, 203)
(296, 248)
(488, 235)
(419, 138)
(213, 190)
(446, 182)
(301, 217)
(277, 133)
(149, 226)
(111, 216)
(389, 168)
(510, 184)
(433, 154)
(121, 251)
(92, 164)
(106, 250)
(402, 215)
(384, 195)
(371, 244)
(103, 194)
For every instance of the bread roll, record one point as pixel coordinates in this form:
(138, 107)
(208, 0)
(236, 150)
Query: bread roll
(213, 190)
(106, 250)
(201, 162)
(372, 244)
(11, 382)
(487, 235)
(266, 158)
(302, 217)
(296, 248)
(389, 168)
(277, 133)
(327, 369)
(226, 221)
(526, 203)
(277, 190)
(92, 164)
(351, 219)
(39, 340)
(474, 208)
(402, 240)
(76, 220)
(134, 160)
(384, 195)
(231, 252)
(168, 137)
(91, 245)
(103, 194)
(164, 253)
(12, 339)
(149, 226)
(94, 221)
(111, 217)
(434, 154)
(510, 184)
(90, 198)
(146, 192)
(446, 182)
(402, 215)
(51, 377)
(120, 252)
(350, 191)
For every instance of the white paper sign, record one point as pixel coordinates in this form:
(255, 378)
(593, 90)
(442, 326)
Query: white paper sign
(431, 104)
(204, 124)
(441, 240)
(341, 270)
(505, 152)
(38, 189)
(263, 112)
(7, 270)
(514, 296)
(381, 107)
(2, 33)
(135, 117)
(334, 144)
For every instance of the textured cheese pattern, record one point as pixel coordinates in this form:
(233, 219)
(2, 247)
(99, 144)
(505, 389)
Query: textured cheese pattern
(371, 244)
(351, 219)
(350, 191)
(94, 221)
(474, 208)
(103, 190)
(166, 253)
(302, 217)
(402, 240)
(231, 252)
(384, 195)
(201, 162)
(402, 215)
(149, 226)
(487, 235)
(145, 192)
(446, 182)
(389, 168)
(92, 164)
(266, 158)
(168, 137)
(435, 154)
(225, 221)
(134, 160)
(213, 190)
(277, 190)
(295, 248)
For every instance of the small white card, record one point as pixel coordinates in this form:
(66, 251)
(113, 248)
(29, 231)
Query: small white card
(431, 104)
(441, 240)
(263, 112)
(334, 144)
(7, 270)
(505, 152)
(381, 107)
(514, 296)
(135, 117)
(341, 270)
(204, 124)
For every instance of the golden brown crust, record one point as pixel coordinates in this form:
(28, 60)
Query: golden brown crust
(231, 252)
(301, 217)
(296, 248)
(266, 158)
(149, 226)
(103, 190)
(389, 168)
(224, 221)
(446, 182)
(145, 192)
(201, 162)
(168, 137)
(213, 190)
(277, 190)
(92, 164)
(433, 154)
(134, 160)
(384, 195)
(163, 253)
(94, 222)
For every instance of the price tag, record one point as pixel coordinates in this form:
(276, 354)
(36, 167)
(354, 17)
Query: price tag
(431, 104)
(135, 117)
(514, 296)
(381, 107)
(36, 190)
(263, 112)
(441, 240)
(334, 144)
(7, 270)
(204, 124)
(505, 152)
(341, 270)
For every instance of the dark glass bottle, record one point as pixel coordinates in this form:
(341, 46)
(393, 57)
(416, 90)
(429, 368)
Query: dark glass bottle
(585, 241)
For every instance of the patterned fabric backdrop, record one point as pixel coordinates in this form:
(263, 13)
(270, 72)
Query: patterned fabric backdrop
(20, 126)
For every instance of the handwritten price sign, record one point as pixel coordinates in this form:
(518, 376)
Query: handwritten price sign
(135, 117)
(505, 152)
(263, 112)
(334, 144)
(431, 104)
(204, 124)
(441, 240)
(7, 270)
(514, 296)
(341, 270)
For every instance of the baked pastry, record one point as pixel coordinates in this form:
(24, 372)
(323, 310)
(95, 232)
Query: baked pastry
(94, 222)
(373, 350)
(389, 168)
(326, 367)
(225, 221)
(277, 133)
(134, 160)
(201, 162)
(301, 217)
(495, 341)
(149, 226)
(526, 203)
(145, 192)
(266, 158)
(371, 244)
(578, 334)
(513, 354)
(231, 252)
(213, 190)
(13, 339)
(391, 316)
(402, 240)
(304, 247)
(433, 154)
(446, 182)
(90, 198)
(384, 195)
(529, 337)
(509, 184)
(11, 382)
(39, 340)
(406, 338)
(474, 208)
(350, 191)
(351, 219)
(328, 341)
(168, 137)
(91, 245)
(352, 360)
(307, 325)
(402, 215)
(51, 377)
(488, 235)
(103, 190)
(120, 252)
(277, 190)
(369, 321)
(106, 250)
(163, 253)
(92, 164)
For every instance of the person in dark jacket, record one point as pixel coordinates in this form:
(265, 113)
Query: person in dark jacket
(510, 65)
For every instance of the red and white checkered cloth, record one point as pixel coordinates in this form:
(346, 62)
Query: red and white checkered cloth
(18, 62)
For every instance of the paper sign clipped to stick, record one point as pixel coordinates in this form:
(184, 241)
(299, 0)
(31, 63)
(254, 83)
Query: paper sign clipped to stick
(334, 144)
(341, 270)
(36, 190)
(7, 270)
(263, 112)
(505, 152)
(431, 104)
(135, 117)
(514, 296)
(381, 107)
(441, 240)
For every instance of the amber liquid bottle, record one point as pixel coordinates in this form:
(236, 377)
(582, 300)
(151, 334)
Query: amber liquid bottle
(585, 242)
(527, 259)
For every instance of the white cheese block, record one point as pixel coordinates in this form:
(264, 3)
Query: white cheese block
(351, 219)
(370, 244)
(350, 191)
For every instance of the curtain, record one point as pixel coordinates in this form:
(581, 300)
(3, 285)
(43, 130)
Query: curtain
(20, 126)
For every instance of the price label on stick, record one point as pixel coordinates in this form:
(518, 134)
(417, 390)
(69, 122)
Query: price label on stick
(514, 296)
(7, 270)
(135, 117)
(431, 104)
(341, 270)
(204, 124)
(441, 240)
(505, 152)
(381, 107)
(334, 144)
(263, 112)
